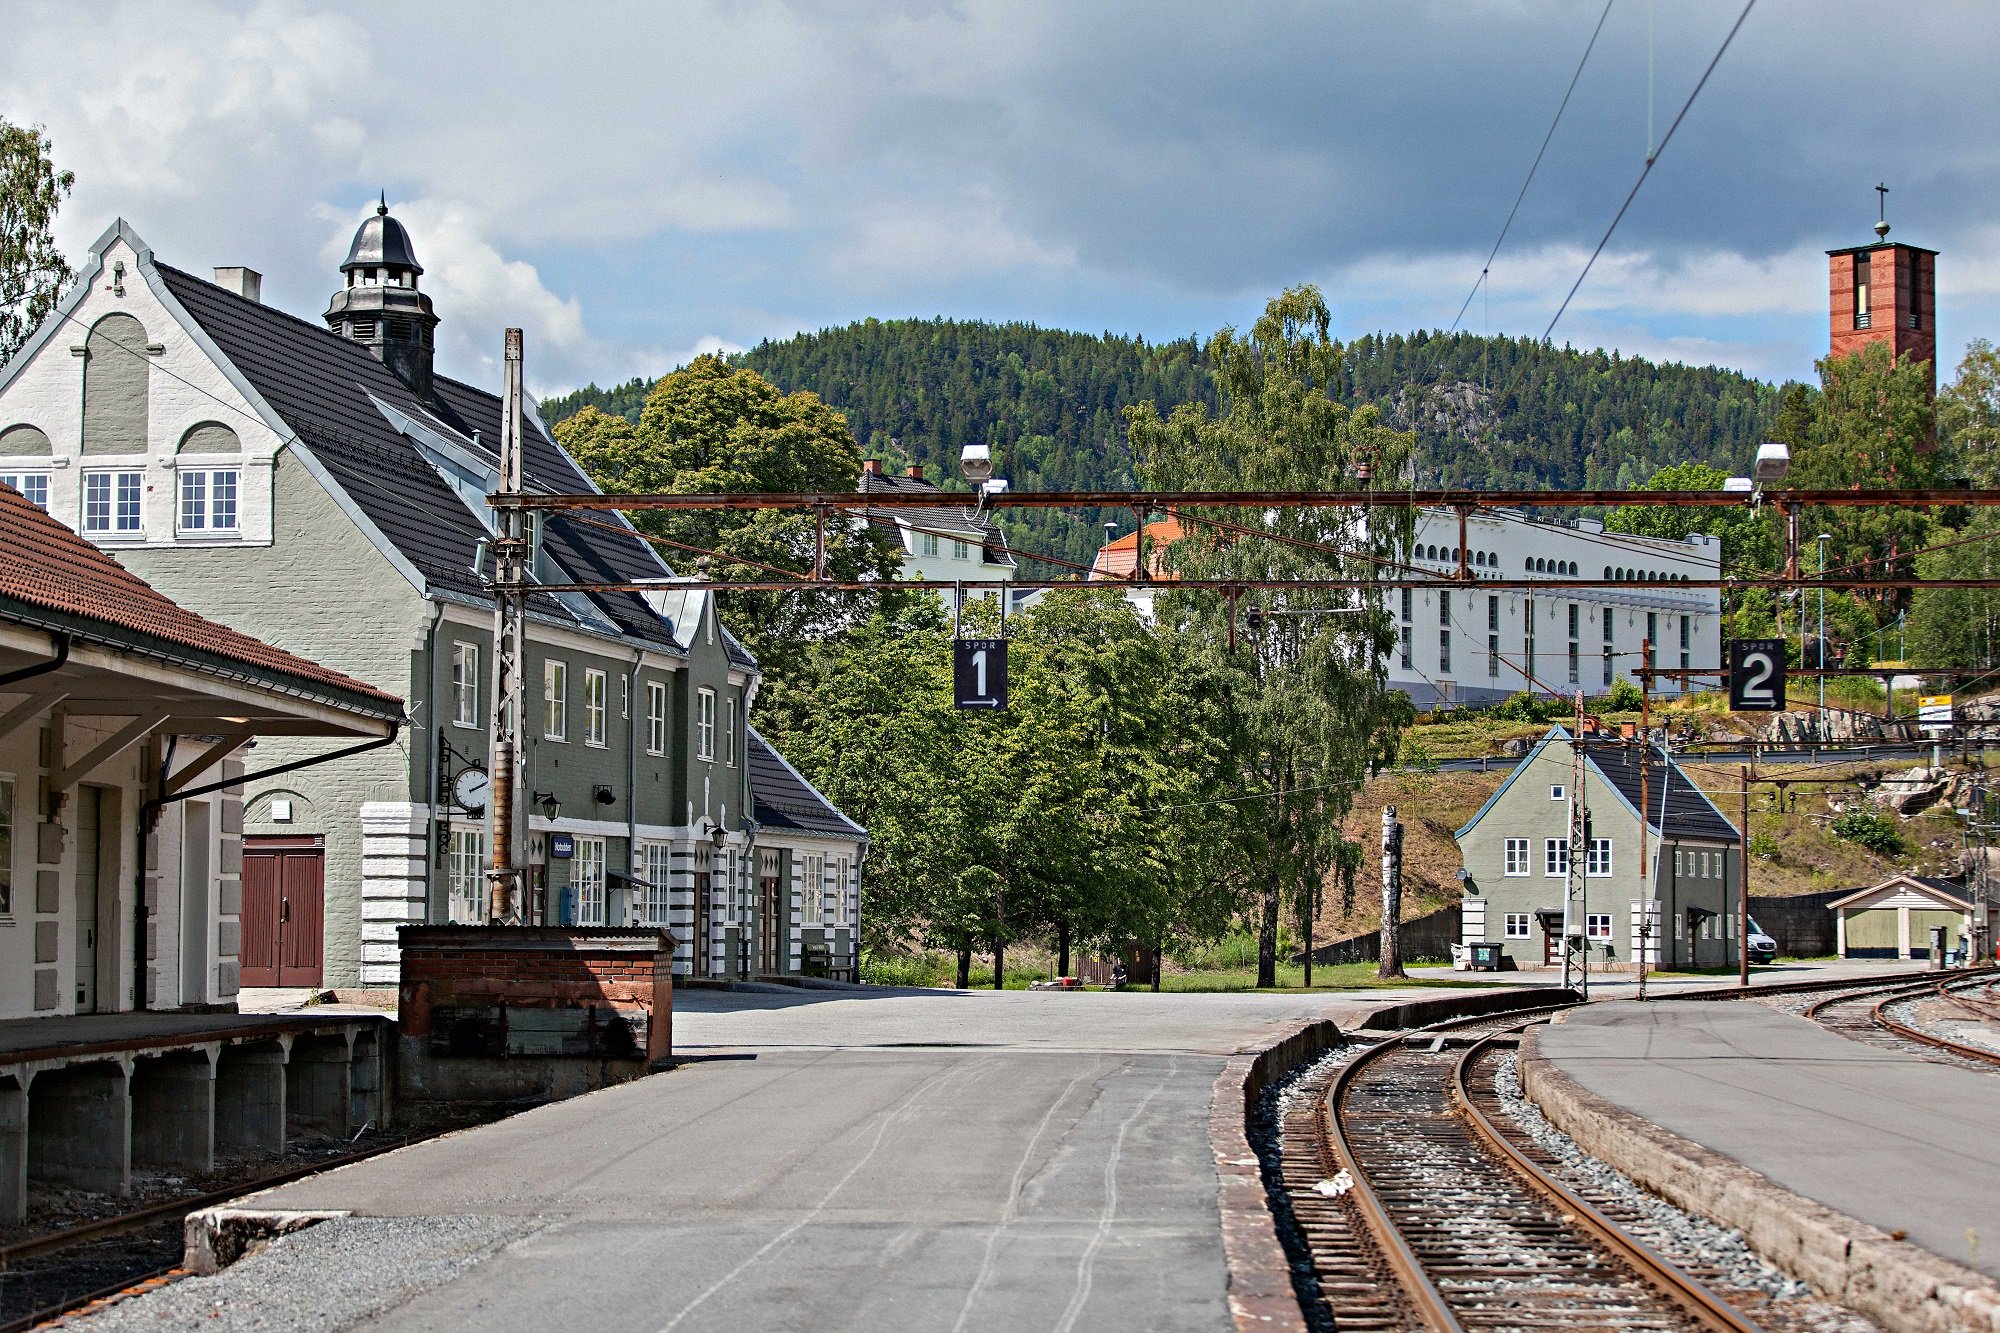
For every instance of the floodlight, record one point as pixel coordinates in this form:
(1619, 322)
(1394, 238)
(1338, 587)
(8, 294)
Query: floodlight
(975, 461)
(1774, 460)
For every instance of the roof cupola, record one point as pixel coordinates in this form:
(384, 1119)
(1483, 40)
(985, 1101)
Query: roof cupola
(380, 306)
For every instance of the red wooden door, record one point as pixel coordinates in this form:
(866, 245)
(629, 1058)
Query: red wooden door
(284, 904)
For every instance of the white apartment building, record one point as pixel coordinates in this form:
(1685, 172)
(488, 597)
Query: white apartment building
(1467, 644)
(952, 543)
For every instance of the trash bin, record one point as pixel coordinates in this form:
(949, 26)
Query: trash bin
(1485, 957)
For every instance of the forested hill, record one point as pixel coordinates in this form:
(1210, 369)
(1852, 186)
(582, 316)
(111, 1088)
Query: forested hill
(1489, 411)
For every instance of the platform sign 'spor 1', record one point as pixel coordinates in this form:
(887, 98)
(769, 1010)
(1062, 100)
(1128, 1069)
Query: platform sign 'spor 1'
(979, 673)
(1757, 675)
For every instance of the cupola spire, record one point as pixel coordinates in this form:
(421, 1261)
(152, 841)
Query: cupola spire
(380, 306)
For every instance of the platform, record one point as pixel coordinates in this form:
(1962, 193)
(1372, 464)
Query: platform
(86, 1098)
(1893, 1140)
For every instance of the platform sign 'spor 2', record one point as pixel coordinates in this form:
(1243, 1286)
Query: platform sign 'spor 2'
(1757, 675)
(979, 673)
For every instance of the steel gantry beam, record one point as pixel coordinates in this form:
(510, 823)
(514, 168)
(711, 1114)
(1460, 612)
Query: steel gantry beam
(807, 583)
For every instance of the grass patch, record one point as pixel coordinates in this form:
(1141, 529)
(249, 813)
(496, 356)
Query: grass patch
(1291, 977)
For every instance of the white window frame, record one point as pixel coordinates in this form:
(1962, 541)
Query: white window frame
(1517, 926)
(927, 543)
(959, 550)
(1516, 860)
(657, 869)
(6, 847)
(729, 731)
(465, 684)
(207, 520)
(19, 478)
(1597, 926)
(812, 891)
(555, 700)
(465, 876)
(1558, 792)
(656, 717)
(1555, 858)
(704, 724)
(586, 876)
(1597, 860)
(115, 480)
(596, 706)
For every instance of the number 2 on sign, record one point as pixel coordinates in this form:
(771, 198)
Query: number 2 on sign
(1757, 687)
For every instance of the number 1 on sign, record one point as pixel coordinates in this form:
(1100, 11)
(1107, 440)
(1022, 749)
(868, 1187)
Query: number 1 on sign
(979, 674)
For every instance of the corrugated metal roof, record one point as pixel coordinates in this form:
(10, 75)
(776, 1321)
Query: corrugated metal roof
(782, 799)
(44, 565)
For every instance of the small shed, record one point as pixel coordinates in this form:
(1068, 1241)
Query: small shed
(1894, 919)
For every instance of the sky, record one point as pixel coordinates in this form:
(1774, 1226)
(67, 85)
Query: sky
(636, 184)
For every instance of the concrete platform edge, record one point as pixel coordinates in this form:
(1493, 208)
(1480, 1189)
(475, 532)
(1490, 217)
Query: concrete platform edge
(214, 1238)
(1902, 1286)
(1261, 1296)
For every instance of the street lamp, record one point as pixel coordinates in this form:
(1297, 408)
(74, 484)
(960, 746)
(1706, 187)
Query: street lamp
(1822, 539)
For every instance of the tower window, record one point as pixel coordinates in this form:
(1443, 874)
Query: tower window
(1861, 283)
(364, 328)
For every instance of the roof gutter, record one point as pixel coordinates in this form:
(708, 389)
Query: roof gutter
(42, 668)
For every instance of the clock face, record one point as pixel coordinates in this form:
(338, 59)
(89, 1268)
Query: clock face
(470, 789)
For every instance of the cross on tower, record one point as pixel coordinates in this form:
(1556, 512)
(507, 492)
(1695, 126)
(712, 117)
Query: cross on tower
(1882, 209)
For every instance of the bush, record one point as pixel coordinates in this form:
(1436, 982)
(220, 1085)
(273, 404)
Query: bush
(1764, 846)
(1623, 697)
(1865, 828)
(1413, 753)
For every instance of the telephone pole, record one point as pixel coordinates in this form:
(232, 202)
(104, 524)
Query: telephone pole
(511, 557)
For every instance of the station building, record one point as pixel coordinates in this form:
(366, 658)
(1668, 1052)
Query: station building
(1516, 852)
(318, 484)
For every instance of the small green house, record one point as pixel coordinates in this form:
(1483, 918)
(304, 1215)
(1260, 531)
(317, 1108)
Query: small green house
(1516, 852)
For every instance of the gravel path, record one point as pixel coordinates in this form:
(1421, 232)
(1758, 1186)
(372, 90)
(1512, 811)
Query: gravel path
(328, 1277)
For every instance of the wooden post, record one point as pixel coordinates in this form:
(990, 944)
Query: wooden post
(1391, 964)
(511, 558)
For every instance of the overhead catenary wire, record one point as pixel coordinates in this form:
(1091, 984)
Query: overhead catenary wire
(1652, 159)
(1534, 166)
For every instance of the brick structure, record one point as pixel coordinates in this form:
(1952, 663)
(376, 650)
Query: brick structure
(536, 1000)
(1883, 293)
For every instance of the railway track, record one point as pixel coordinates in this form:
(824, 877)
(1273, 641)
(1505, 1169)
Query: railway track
(1442, 1218)
(1868, 1016)
(46, 1277)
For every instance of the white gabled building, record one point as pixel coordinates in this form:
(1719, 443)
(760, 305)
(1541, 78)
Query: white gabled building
(953, 542)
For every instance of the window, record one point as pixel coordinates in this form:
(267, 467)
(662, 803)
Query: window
(1573, 677)
(1492, 613)
(1861, 285)
(657, 868)
(1679, 867)
(1575, 618)
(812, 892)
(33, 485)
(465, 684)
(465, 876)
(595, 706)
(1555, 857)
(929, 542)
(208, 500)
(625, 697)
(586, 880)
(729, 731)
(1517, 925)
(1444, 651)
(1444, 608)
(1403, 637)
(656, 717)
(704, 731)
(959, 550)
(6, 846)
(1597, 926)
(1517, 856)
(555, 700)
(1597, 862)
(1652, 636)
(1528, 639)
(1493, 655)
(1406, 609)
(111, 502)
(1558, 792)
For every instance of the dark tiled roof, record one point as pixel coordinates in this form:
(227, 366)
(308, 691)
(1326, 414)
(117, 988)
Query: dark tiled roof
(954, 505)
(1688, 814)
(46, 566)
(784, 800)
(321, 385)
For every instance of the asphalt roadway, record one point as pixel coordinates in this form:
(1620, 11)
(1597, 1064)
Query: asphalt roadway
(829, 1160)
(1895, 1140)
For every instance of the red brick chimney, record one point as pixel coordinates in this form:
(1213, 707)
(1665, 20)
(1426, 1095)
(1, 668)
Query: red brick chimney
(915, 472)
(872, 466)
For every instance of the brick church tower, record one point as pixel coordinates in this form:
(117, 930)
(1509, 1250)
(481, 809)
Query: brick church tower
(1883, 293)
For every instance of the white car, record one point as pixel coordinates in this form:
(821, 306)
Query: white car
(1763, 949)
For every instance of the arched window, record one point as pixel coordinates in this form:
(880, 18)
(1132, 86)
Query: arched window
(114, 386)
(210, 437)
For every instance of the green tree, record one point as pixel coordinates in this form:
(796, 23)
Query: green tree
(1872, 428)
(1968, 415)
(33, 272)
(1749, 537)
(713, 430)
(1954, 627)
(1306, 709)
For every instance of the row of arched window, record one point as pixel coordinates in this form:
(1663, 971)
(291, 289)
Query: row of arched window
(1621, 575)
(1491, 560)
